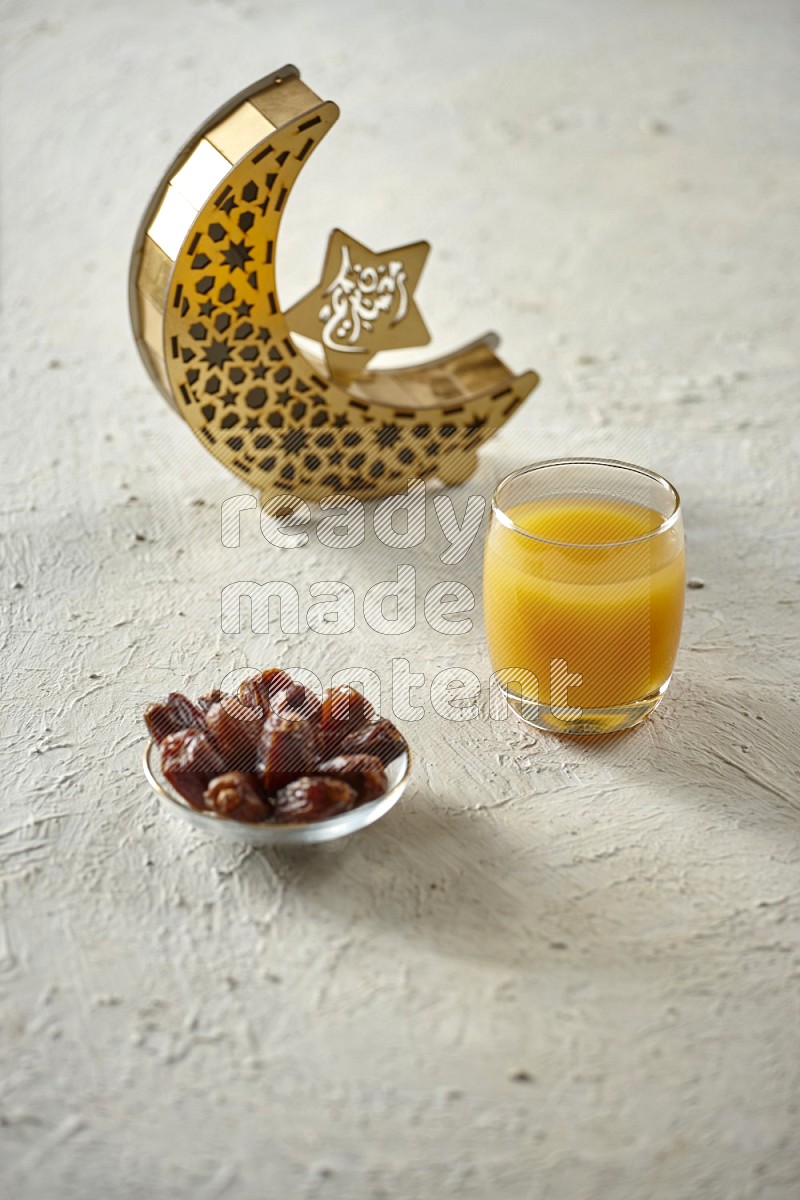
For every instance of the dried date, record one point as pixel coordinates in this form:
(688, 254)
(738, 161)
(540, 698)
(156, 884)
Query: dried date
(344, 710)
(289, 748)
(176, 713)
(298, 700)
(237, 794)
(190, 761)
(380, 739)
(258, 690)
(363, 772)
(236, 730)
(313, 798)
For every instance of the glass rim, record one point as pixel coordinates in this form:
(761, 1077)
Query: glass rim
(668, 522)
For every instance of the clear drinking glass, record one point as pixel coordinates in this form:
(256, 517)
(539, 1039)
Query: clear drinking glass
(584, 578)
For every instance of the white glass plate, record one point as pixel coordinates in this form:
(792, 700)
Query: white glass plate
(268, 833)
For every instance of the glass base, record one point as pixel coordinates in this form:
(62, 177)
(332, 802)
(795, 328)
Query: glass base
(586, 721)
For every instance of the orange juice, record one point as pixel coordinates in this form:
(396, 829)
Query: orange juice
(597, 585)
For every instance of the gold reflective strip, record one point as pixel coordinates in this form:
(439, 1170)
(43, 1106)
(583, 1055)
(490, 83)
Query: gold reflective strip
(154, 272)
(198, 177)
(172, 222)
(244, 128)
(283, 101)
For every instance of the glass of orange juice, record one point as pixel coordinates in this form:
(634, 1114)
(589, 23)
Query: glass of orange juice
(584, 577)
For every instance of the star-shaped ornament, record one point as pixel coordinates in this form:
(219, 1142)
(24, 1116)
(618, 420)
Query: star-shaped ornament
(237, 255)
(363, 303)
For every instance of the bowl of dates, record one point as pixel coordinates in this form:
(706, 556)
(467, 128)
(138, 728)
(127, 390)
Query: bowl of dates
(273, 764)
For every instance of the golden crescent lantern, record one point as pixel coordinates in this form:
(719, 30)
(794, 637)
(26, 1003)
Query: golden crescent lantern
(213, 335)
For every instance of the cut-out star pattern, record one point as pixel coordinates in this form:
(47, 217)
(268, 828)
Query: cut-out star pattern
(237, 255)
(217, 354)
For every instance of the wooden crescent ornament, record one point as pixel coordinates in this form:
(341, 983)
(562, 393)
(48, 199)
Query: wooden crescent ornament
(212, 333)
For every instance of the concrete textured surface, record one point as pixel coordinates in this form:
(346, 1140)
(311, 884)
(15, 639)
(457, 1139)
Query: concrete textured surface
(554, 971)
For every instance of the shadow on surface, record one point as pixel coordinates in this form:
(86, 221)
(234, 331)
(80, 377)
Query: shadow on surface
(435, 875)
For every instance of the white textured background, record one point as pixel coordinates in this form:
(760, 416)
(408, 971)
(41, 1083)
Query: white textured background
(554, 972)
